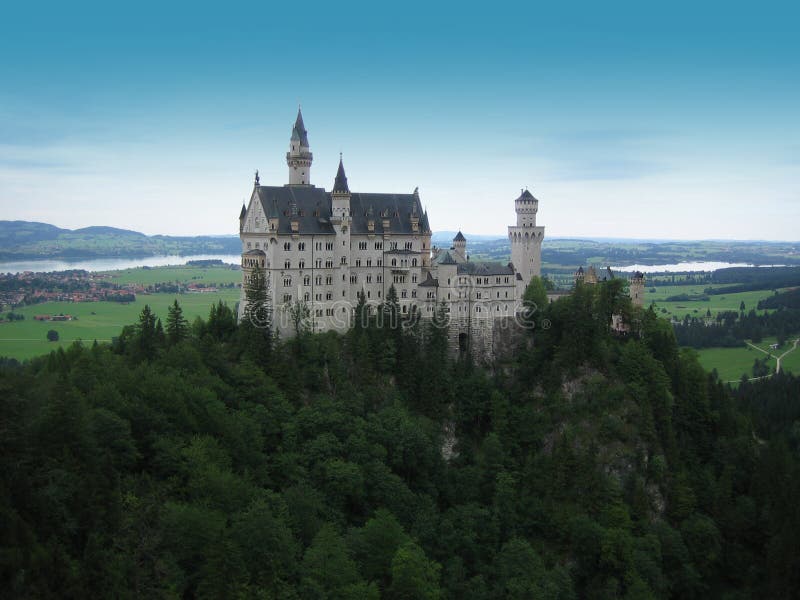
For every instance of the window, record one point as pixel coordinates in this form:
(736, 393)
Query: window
(358, 262)
(403, 293)
(344, 260)
(249, 245)
(328, 295)
(369, 278)
(380, 262)
(394, 262)
(413, 262)
(318, 280)
(379, 278)
(301, 264)
(378, 245)
(301, 246)
(362, 245)
(328, 312)
(318, 245)
(369, 262)
(328, 245)
(256, 244)
(413, 279)
(409, 245)
(306, 297)
(319, 312)
(329, 280)
(479, 296)
(318, 297)
(307, 280)
(319, 263)
(287, 297)
(353, 278)
(287, 282)
(392, 245)
(287, 245)
(329, 264)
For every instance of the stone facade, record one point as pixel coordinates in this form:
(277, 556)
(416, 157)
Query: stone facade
(322, 249)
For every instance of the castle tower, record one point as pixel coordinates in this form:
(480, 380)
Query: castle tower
(341, 221)
(526, 241)
(340, 195)
(636, 289)
(299, 157)
(460, 247)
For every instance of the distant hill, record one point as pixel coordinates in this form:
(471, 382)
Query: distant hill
(25, 240)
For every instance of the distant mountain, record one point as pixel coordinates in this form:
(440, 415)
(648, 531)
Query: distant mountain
(25, 240)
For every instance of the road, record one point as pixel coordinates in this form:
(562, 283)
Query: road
(778, 359)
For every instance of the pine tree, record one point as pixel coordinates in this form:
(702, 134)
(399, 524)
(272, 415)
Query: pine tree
(258, 312)
(177, 325)
(146, 335)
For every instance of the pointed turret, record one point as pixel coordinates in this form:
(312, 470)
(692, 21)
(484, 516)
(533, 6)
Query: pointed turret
(299, 133)
(340, 184)
(242, 215)
(299, 157)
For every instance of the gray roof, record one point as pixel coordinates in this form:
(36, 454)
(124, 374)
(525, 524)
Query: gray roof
(340, 184)
(243, 213)
(312, 207)
(459, 237)
(485, 268)
(397, 208)
(299, 130)
(429, 281)
(444, 258)
(526, 195)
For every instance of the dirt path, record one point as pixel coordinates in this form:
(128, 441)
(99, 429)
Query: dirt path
(792, 349)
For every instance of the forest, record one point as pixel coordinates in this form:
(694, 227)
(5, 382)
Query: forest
(211, 460)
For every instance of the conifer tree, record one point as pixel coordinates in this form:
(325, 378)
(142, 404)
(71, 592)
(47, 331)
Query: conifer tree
(177, 325)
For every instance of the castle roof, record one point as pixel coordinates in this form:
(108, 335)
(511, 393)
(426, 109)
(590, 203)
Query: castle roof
(429, 281)
(485, 268)
(311, 207)
(459, 237)
(445, 258)
(340, 184)
(243, 212)
(526, 195)
(299, 132)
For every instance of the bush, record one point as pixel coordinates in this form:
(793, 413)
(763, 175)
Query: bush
(52, 335)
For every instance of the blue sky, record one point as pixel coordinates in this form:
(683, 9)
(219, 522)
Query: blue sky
(626, 119)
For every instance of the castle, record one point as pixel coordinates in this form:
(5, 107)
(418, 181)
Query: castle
(321, 250)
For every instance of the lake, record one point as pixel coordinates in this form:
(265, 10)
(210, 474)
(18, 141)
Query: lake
(110, 264)
(685, 267)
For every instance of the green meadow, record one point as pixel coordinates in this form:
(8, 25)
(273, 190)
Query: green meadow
(102, 321)
(732, 363)
(180, 274)
(699, 308)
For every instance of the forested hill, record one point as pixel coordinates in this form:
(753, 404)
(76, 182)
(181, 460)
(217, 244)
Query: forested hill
(214, 462)
(22, 240)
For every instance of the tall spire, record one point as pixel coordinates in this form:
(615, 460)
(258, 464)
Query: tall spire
(299, 132)
(299, 157)
(340, 184)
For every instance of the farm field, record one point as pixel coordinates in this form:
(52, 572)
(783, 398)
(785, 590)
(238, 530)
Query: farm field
(182, 274)
(95, 320)
(698, 308)
(731, 363)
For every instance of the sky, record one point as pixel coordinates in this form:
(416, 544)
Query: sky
(670, 120)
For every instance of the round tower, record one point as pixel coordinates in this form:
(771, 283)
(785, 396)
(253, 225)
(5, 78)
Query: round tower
(636, 288)
(526, 241)
(299, 157)
(460, 246)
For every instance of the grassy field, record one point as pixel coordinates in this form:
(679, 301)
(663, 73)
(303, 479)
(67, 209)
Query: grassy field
(180, 274)
(731, 363)
(698, 308)
(103, 320)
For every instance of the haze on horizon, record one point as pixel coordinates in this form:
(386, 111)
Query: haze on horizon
(672, 121)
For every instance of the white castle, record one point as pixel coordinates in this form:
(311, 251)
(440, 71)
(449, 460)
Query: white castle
(323, 249)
